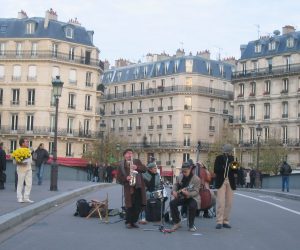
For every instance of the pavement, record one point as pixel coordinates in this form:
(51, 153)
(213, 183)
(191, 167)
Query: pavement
(12, 213)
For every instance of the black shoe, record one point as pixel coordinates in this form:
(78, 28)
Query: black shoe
(207, 216)
(128, 226)
(218, 226)
(226, 226)
(133, 225)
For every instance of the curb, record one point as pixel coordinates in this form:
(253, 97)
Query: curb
(18, 216)
(278, 194)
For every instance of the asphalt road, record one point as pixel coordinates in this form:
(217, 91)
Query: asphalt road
(259, 222)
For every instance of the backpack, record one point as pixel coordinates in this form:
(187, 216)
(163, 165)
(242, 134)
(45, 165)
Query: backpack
(83, 208)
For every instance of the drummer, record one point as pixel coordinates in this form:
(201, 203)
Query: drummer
(152, 180)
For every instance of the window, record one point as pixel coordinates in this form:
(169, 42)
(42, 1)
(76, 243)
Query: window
(87, 105)
(52, 123)
(86, 127)
(187, 121)
(55, 72)
(241, 113)
(272, 45)
(129, 124)
(267, 87)
(252, 112)
(173, 83)
(70, 125)
(1, 96)
(0, 120)
(84, 148)
(285, 109)
(287, 60)
(285, 85)
(188, 83)
(88, 79)
(255, 66)
(30, 96)
(31, 73)
(132, 89)
(252, 135)
(284, 134)
(71, 53)
(139, 122)
(33, 49)
(253, 89)
(221, 68)
(116, 91)
(54, 50)
(14, 122)
(187, 102)
(2, 72)
(18, 49)
(71, 103)
(30, 28)
(69, 149)
(176, 66)
(267, 111)
(2, 49)
(211, 124)
(241, 135)
(290, 42)
(29, 124)
(16, 73)
(189, 65)
(73, 76)
(145, 71)
(13, 145)
(244, 68)
(241, 90)
(257, 48)
(15, 96)
(266, 133)
(167, 64)
(187, 140)
(142, 87)
(69, 32)
(186, 157)
(51, 147)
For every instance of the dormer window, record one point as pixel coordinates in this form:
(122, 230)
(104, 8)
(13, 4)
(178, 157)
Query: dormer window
(30, 28)
(290, 42)
(272, 45)
(176, 65)
(221, 68)
(69, 32)
(208, 68)
(145, 71)
(257, 48)
(167, 67)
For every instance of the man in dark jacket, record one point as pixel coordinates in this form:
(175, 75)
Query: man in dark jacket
(2, 166)
(225, 183)
(135, 195)
(285, 171)
(41, 156)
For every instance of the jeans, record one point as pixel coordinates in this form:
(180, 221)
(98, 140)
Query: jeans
(285, 183)
(40, 171)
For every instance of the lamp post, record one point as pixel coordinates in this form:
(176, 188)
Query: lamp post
(198, 158)
(118, 148)
(172, 167)
(258, 133)
(57, 86)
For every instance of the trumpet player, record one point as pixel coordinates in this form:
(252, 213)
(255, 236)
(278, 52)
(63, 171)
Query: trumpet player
(130, 176)
(225, 168)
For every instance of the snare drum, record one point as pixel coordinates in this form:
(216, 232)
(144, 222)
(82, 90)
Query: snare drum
(158, 194)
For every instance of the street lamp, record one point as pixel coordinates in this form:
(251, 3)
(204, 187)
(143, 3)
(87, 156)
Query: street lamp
(118, 148)
(258, 133)
(198, 157)
(57, 85)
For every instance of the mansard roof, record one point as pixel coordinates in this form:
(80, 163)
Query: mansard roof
(167, 67)
(16, 28)
(280, 46)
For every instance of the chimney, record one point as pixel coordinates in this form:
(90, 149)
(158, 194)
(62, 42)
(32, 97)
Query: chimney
(50, 15)
(149, 57)
(106, 65)
(204, 54)
(230, 60)
(288, 29)
(22, 15)
(242, 48)
(122, 63)
(74, 22)
(180, 52)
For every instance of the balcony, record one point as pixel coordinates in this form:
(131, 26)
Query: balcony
(252, 94)
(170, 107)
(241, 95)
(212, 110)
(151, 109)
(88, 108)
(150, 127)
(121, 112)
(187, 125)
(112, 129)
(30, 103)
(15, 103)
(130, 111)
(225, 111)
(49, 55)
(113, 112)
(159, 126)
(89, 84)
(139, 110)
(266, 117)
(129, 128)
(251, 117)
(187, 107)
(121, 128)
(73, 82)
(160, 108)
(285, 116)
(284, 92)
(138, 127)
(16, 78)
(31, 78)
(168, 163)
(102, 125)
(169, 125)
(212, 128)
(71, 106)
(266, 93)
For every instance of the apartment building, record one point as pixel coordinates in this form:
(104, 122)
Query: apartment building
(164, 106)
(33, 51)
(267, 91)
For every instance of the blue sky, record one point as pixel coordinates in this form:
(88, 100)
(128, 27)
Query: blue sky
(132, 28)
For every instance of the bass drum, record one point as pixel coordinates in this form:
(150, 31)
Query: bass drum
(207, 199)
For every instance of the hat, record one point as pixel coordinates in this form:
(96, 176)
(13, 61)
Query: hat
(227, 148)
(151, 165)
(185, 165)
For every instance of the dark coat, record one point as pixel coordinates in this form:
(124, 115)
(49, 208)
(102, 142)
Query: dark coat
(123, 172)
(42, 156)
(2, 160)
(219, 170)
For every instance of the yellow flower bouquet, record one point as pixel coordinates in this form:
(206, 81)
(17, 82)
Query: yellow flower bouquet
(21, 155)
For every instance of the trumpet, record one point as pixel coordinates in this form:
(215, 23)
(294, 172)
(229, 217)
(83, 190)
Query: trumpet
(133, 173)
(234, 165)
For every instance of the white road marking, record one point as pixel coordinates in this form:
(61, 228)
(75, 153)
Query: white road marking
(270, 197)
(270, 203)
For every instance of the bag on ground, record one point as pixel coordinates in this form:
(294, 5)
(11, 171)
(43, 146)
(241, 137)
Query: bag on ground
(83, 208)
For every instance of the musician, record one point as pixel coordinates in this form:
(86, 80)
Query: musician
(185, 192)
(135, 196)
(152, 179)
(225, 184)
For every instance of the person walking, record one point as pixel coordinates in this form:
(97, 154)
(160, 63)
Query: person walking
(41, 157)
(285, 171)
(2, 166)
(24, 172)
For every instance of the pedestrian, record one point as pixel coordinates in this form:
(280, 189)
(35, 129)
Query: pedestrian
(40, 156)
(90, 173)
(101, 173)
(95, 173)
(248, 178)
(109, 173)
(258, 178)
(225, 185)
(285, 171)
(2, 166)
(24, 172)
(134, 192)
(252, 178)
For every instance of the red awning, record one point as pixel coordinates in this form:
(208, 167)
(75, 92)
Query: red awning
(70, 162)
(167, 173)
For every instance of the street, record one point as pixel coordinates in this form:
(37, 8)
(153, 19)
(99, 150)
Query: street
(258, 222)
